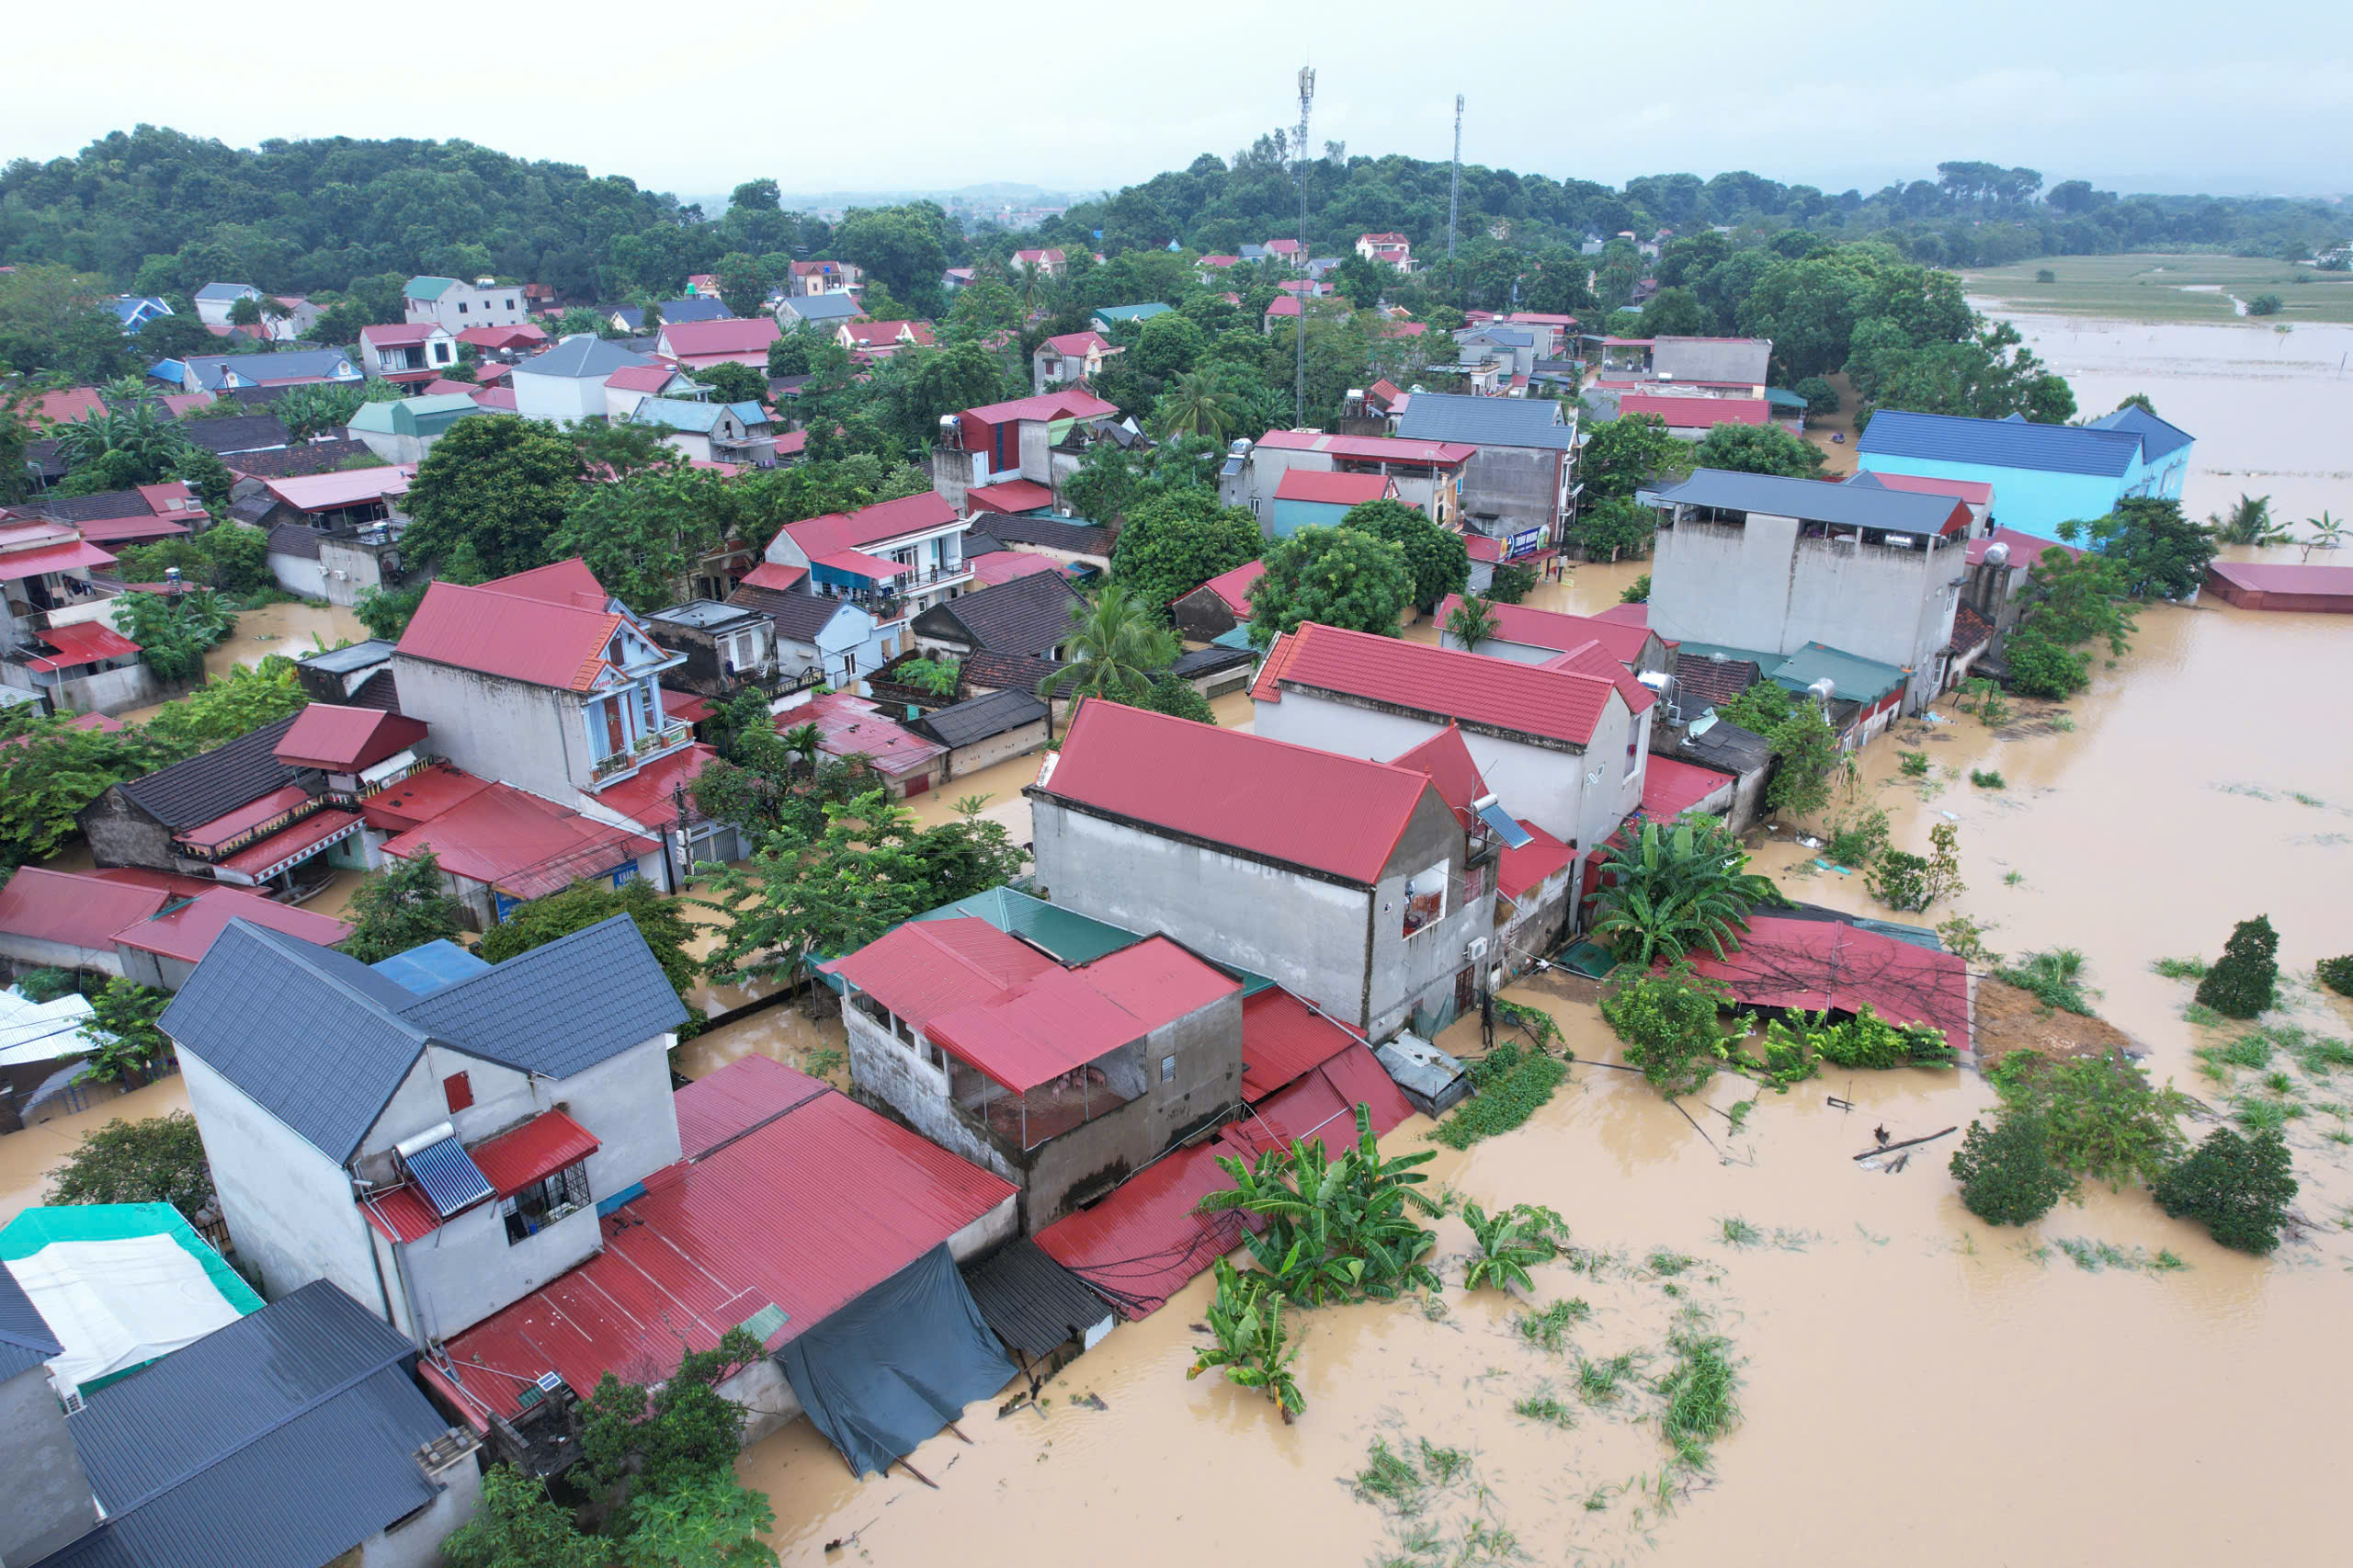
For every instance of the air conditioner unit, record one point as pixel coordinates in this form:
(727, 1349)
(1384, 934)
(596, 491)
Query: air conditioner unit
(1477, 950)
(73, 1402)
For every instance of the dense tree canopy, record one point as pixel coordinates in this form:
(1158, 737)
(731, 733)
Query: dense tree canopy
(1338, 576)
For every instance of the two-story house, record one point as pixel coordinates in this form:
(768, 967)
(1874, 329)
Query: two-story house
(1351, 883)
(1049, 261)
(457, 304)
(1073, 357)
(567, 382)
(895, 558)
(2043, 475)
(1515, 490)
(435, 1156)
(412, 352)
(711, 432)
(1394, 249)
(808, 277)
(1041, 439)
(1428, 474)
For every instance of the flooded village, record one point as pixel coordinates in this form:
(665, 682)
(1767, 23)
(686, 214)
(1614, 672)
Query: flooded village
(768, 929)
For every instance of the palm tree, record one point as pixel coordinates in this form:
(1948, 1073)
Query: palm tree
(2247, 522)
(1193, 406)
(802, 742)
(1032, 287)
(1671, 892)
(1116, 647)
(140, 431)
(1472, 623)
(2328, 533)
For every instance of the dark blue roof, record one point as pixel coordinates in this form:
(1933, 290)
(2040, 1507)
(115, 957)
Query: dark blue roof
(279, 1441)
(676, 313)
(322, 1041)
(2000, 443)
(2158, 438)
(1485, 421)
(26, 1341)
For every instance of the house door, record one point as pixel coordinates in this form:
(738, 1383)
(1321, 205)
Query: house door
(615, 737)
(1466, 986)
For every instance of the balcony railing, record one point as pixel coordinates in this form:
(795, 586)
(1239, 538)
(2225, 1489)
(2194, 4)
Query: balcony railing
(660, 743)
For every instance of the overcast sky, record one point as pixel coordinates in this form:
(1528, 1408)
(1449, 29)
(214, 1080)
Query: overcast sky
(2142, 94)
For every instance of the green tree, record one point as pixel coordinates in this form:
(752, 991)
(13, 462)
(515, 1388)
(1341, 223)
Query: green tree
(124, 1038)
(1167, 345)
(1820, 396)
(2106, 1122)
(237, 701)
(499, 487)
(386, 612)
(1341, 577)
(1612, 529)
(1439, 560)
(1116, 646)
(1193, 405)
(667, 932)
(2157, 549)
(1511, 585)
(1758, 448)
(2238, 1188)
(518, 1525)
(2265, 305)
(50, 771)
(1667, 1021)
(734, 382)
(157, 1159)
(637, 1442)
(1173, 542)
(1471, 623)
(1805, 753)
(1178, 699)
(642, 535)
(2248, 522)
(401, 906)
(1669, 891)
(803, 897)
(2245, 982)
(1623, 455)
(2005, 1172)
(1104, 485)
(174, 630)
(742, 284)
(1249, 1342)
(968, 855)
(713, 1522)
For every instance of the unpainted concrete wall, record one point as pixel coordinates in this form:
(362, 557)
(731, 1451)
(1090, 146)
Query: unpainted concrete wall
(49, 1495)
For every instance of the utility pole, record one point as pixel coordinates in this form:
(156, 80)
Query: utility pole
(1298, 327)
(1454, 193)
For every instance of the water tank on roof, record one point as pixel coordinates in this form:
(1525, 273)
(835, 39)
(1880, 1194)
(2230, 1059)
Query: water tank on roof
(1823, 691)
(1997, 555)
(1240, 449)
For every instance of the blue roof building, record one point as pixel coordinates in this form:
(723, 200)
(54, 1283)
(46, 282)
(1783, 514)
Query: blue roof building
(2043, 475)
(135, 311)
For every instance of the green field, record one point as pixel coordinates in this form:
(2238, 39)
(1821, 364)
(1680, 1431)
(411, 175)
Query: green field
(2151, 288)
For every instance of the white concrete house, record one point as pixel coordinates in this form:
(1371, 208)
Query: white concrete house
(457, 304)
(433, 1156)
(566, 383)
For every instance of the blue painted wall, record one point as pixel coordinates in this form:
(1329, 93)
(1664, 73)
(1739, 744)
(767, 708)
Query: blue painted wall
(2036, 501)
(1285, 518)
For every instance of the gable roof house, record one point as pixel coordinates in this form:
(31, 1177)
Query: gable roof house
(834, 640)
(871, 340)
(1042, 440)
(566, 383)
(367, 1135)
(896, 558)
(1073, 357)
(2043, 475)
(1563, 744)
(632, 384)
(459, 304)
(230, 372)
(711, 432)
(697, 345)
(1351, 883)
(1029, 615)
(670, 312)
(819, 309)
(1517, 489)
(414, 352)
(1218, 606)
(1532, 636)
(1304, 498)
(1428, 474)
(819, 277)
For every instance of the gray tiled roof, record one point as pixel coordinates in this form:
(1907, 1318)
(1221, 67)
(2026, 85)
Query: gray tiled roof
(299, 540)
(305, 457)
(1028, 615)
(1050, 533)
(674, 312)
(26, 1341)
(978, 717)
(236, 433)
(322, 1041)
(280, 1440)
(822, 307)
(93, 508)
(1007, 672)
(1485, 421)
(213, 782)
(581, 358)
(1813, 500)
(797, 616)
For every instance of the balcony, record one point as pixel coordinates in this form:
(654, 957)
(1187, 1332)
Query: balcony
(649, 748)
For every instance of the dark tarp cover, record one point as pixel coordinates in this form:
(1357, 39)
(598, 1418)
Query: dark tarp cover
(894, 1367)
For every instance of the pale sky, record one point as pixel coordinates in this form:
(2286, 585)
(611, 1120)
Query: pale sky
(2255, 95)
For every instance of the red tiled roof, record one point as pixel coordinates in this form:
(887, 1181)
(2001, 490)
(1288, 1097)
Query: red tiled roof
(2026, 550)
(703, 339)
(346, 739)
(928, 967)
(496, 397)
(1003, 565)
(74, 556)
(187, 932)
(75, 909)
(419, 798)
(853, 726)
(1594, 658)
(869, 525)
(729, 1103)
(1331, 489)
(1560, 705)
(133, 530)
(520, 843)
(805, 1214)
(524, 334)
(887, 333)
(1968, 630)
(265, 859)
(1283, 1037)
(1372, 449)
(534, 626)
(71, 406)
(538, 1149)
(1013, 496)
(1448, 761)
(1526, 867)
(1557, 631)
(1234, 586)
(1784, 962)
(774, 575)
(1671, 787)
(1069, 404)
(1078, 345)
(81, 643)
(1691, 413)
(1292, 804)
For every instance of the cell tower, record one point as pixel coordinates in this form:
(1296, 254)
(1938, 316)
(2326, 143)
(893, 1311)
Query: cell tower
(1454, 193)
(1299, 332)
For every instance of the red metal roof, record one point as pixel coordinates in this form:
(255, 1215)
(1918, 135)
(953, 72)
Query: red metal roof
(1013, 496)
(538, 1149)
(728, 1103)
(401, 334)
(1448, 761)
(1479, 547)
(1283, 1037)
(73, 908)
(520, 843)
(1783, 962)
(1562, 705)
(187, 932)
(805, 1214)
(1691, 413)
(642, 377)
(702, 339)
(1527, 866)
(1234, 586)
(650, 796)
(400, 1214)
(334, 491)
(17, 564)
(1595, 659)
(565, 582)
(419, 798)
(775, 575)
(851, 725)
(346, 739)
(870, 525)
(2026, 550)
(2283, 577)
(245, 818)
(1038, 1029)
(889, 333)
(82, 642)
(1003, 565)
(1560, 631)
(73, 405)
(1670, 787)
(1158, 981)
(1331, 489)
(1312, 808)
(289, 845)
(134, 529)
(1636, 614)
(520, 638)
(523, 335)
(1372, 449)
(1069, 404)
(929, 967)
(687, 706)
(1283, 306)
(1078, 345)
(858, 564)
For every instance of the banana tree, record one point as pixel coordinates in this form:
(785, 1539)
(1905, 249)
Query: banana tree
(1671, 891)
(1509, 1242)
(1253, 1348)
(1335, 1228)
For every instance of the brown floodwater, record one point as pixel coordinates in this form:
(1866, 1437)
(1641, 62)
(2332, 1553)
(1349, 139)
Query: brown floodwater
(1915, 1386)
(293, 629)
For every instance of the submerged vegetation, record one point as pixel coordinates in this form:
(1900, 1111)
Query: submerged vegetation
(1509, 1084)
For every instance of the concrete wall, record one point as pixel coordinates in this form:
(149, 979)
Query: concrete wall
(1019, 742)
(122, 834)
(289, 1207)
(567, 400)
(1416, 973)
(1712, 359)
(49, 1495)
(416, 1540)
(36, 952)
(104, 691)
(1518, 486)
(348, 569)
(524, 735)
(298, 575)
(1308, 934)
(466, 1270)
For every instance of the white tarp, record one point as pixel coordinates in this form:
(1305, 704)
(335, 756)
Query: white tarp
(117, 1304)
(41, 1031)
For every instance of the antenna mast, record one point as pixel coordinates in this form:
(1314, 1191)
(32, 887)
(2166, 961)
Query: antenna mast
(1299, 331)
(1454, 193)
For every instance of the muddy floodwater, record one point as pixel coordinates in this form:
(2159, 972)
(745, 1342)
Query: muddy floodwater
(1917, 1387)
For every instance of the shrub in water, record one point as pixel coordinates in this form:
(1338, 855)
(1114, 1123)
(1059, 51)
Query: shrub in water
(2245, 980)
(2337, 974)
(1987, 780)
(2238, 1187)
(2005, 1172)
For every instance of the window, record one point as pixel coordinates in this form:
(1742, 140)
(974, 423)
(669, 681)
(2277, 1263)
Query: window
(461, 308)
(1633, 756)
(1167, 1069)
(1426, 899)
(545, 1202)
(510, 304)
(458, 1090)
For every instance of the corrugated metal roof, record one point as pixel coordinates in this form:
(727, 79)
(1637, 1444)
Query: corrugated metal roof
(188, 932)
(1795, 962)
(1037, 1030)
(1064, 934)
(1284, 1036)
(1292, 804)
(2159, 438)
(2001, 443)
(1857, 679)
(541, 1146)
(2026, 550)
(71, 907)
(1671, 787)
(1448, 761)
(1332, 489)
(1034, 1303)
(277, 1441)
(1234, 586)
(730, 1103)
(1487, 421)
(520, 638)
(1446, 683)
(562, 1007)
(1819, 500)
(26, 1341)
(871, 525)
(344, 739)
(805, 1213)
(1975, 491)
(928, 967)
(1421, 453)
(524, 846)
(1529, 864)
(1157, 981)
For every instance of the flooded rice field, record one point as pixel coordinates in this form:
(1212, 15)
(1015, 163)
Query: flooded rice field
(1916, 1386)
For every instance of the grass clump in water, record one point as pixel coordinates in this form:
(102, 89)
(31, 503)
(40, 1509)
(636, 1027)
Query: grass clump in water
(1739, 1232)
(2180, 969)
(1550, 1328)
(1512, 1084)
(1700, 1391)
(1546, 1406)
(1666, 1265)
(2052, 978)
(1599, 1381)
(1985, 779)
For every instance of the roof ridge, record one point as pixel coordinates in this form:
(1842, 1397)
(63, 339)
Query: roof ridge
(279, 942)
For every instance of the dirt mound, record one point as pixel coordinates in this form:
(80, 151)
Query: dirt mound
(2010, 1019)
